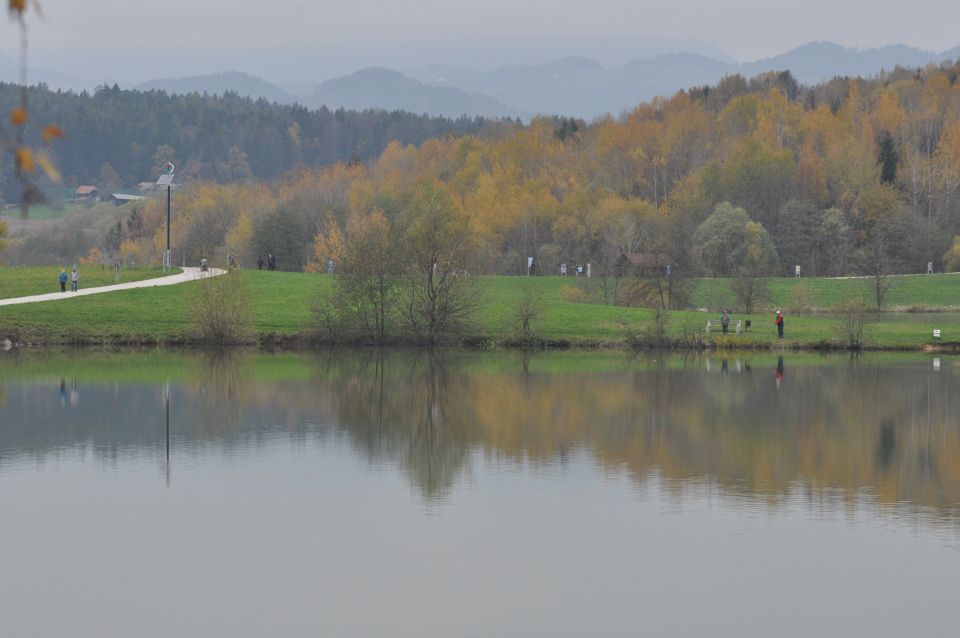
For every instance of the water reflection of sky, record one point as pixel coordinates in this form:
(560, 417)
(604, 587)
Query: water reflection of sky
(305, 540)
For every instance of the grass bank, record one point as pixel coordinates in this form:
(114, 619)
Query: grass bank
(939, 292)
(282, 313)
(22, 281)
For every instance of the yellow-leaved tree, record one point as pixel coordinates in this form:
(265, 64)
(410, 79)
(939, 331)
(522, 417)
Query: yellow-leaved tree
(26, 160)
(3, 236)
(951, 259)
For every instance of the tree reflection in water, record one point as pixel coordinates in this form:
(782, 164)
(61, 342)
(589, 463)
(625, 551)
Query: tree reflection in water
(880, 428)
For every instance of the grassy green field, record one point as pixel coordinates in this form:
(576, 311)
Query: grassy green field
(282, 309)
(21, 281)
(932, 291)
(36, 212)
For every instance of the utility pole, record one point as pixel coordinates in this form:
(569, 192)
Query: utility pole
(166, 179)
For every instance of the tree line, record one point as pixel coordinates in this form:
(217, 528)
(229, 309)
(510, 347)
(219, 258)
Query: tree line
(745, 179)
(118, 138)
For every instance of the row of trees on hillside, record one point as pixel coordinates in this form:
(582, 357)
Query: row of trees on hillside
(119, 138)
(746, 180)
(406, 276)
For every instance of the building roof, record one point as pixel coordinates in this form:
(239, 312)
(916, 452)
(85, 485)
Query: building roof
(86, 190)
(648, 260)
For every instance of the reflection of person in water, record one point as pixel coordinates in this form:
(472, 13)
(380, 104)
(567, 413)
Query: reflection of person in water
(74, 394)
(779, 372)
(724, 369)
(63, 393)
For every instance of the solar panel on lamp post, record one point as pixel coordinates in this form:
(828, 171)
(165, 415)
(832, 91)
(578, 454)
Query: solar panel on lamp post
(166, 180)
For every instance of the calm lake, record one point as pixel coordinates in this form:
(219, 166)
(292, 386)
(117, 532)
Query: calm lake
(351, 493)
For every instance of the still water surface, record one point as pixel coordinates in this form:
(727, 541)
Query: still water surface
(567, 494)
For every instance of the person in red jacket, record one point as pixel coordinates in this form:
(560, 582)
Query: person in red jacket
(779, 321)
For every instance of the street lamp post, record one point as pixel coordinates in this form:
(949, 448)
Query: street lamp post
(166, 179)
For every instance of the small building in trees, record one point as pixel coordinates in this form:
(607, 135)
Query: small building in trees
(645, 264)
(85, 194)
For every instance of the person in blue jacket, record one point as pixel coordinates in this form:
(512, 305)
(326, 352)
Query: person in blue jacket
(63, 280)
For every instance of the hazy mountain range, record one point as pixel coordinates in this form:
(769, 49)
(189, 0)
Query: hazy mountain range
(584, 88)
(574, 86)
(10, 72)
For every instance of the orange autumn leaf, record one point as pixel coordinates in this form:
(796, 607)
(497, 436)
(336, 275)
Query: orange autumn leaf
(48, 168)
(18, 117)
(51, 132)
(25, 161)
(18, 5)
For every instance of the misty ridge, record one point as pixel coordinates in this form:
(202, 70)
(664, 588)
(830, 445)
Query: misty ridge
(233, 126)
(571, 87)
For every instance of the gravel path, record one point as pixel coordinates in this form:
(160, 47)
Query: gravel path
(188, 274)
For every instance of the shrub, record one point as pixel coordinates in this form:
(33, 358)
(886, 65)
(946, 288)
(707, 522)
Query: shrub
(656, 334)
(853, 316)
(801, 300)
(749, 290)
(220, 309)
(528, 311)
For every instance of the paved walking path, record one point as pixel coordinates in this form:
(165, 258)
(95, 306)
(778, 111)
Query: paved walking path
(188, 274)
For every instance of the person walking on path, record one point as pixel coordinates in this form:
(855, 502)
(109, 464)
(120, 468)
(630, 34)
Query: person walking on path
(260, 262)
(271, 262)
(779, 321)
(725, 321)
(63, 280)
(75, 280)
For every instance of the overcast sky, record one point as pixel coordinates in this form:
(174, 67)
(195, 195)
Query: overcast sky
(318, 38)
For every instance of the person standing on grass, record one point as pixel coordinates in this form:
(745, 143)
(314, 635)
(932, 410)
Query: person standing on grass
(75, 280)
(779, 321)
(63, 280)
(725, 321)
(260, 262)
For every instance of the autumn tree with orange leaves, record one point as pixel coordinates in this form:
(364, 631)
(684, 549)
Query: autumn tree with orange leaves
(27, 160)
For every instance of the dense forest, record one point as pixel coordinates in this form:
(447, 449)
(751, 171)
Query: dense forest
(747, 178)
(119, 138)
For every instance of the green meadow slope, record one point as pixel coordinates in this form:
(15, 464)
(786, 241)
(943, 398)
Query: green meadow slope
(282, 305)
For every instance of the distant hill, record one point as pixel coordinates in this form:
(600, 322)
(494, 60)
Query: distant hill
(10, 72)
(220, 83)
(570, 86)
(372, 88)
(819, 61)
(378, 88)
(584, 88)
